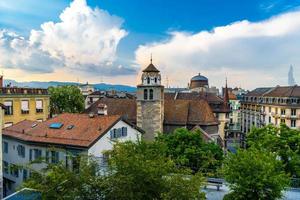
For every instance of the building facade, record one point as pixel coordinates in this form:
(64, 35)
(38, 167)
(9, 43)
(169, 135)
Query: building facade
(59, 139)
(24, 104)
(277, 105)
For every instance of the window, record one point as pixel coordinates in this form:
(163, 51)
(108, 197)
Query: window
(145, 94)
(39, 106)
(14, 170)
(151, 94)
(155, 80)
(148, 80)
(293, 112)
(293, 123)
(25, 174)
(52, 157)
(35, 154)
(25, 107)
(5, 147)
(270, 120)
(124, 131)
(21, 151)
(5, 167)
(282, 121)
(282, 111)
(119, 132)
(9, 108)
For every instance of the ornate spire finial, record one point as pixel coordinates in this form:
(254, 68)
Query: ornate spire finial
(151, 58)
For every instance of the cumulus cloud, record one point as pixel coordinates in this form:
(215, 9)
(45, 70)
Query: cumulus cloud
(249, 53)
(84, 39)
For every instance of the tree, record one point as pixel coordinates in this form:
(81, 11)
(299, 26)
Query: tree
(188, 149)
(66, 99)
(135, 171)
(254, 174)
(281, 140)
(58, 182)
(143, 171)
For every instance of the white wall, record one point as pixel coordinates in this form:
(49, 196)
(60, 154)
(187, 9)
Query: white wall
(12, 157)
(105, 143)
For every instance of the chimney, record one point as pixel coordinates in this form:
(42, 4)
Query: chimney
(102, 109)
(1, 81)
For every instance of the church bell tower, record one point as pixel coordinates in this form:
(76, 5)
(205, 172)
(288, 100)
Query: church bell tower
(150, 102)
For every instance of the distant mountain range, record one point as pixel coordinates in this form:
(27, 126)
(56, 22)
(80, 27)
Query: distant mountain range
(40, 84)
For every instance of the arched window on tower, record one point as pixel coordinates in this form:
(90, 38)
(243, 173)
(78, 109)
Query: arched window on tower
(148, 80)
(145, 94)
(151, 94)
(155, 80)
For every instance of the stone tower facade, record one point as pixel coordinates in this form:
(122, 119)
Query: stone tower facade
(150, 102)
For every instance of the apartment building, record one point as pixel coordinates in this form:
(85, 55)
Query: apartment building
(59, 139)
(24, 104)
(276, 105)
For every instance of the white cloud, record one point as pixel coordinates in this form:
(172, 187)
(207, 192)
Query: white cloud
(84, 39)
(249, 53)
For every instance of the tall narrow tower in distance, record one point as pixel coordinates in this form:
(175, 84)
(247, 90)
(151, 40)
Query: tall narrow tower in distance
(291, 80)
(150, 102)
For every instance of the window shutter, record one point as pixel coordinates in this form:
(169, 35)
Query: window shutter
(111, 134)
(47, 156)
(30, 154)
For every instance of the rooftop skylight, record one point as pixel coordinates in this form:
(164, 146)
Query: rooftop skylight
(56, 125)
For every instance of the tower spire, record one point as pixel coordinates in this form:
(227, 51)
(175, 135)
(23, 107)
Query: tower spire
(226, 95)
(151, 58)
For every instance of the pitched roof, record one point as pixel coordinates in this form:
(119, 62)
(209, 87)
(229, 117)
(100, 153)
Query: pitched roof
(278, 91)
(284, 91)
(85, 132)
(215, 102)
(124, 107)
(192, 112)
(258, 91)
(175, 111)
(151, 68)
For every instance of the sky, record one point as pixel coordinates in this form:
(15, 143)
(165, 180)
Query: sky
(251, 42)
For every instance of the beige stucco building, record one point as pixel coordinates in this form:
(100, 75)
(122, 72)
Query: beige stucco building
(276, 105)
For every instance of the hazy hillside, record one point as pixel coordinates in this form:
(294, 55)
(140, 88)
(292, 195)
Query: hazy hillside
(40, 84)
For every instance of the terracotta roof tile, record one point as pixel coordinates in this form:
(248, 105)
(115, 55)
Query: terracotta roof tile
(175, 111)
(85, 131)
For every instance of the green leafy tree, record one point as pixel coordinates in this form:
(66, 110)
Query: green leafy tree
(135, 171)
(285, 142)
(254, 175)
(58, 182)
(66, 99)
(143, 171)
(188, 149)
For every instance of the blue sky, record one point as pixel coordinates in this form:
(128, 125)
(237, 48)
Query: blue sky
(147, 22)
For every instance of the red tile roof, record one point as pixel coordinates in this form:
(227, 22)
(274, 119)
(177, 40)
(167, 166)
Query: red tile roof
(175, 111)
(85, 132)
